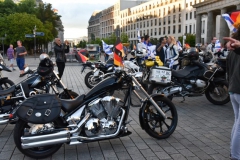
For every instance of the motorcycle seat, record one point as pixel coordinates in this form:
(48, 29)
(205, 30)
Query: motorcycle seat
(69, 105)
(7, 91)
(183, 72)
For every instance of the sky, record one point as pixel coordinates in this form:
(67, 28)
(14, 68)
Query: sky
(76, 13)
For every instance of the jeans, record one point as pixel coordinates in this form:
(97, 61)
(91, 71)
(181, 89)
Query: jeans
(61, 66)
(20, 63)
(235, 136)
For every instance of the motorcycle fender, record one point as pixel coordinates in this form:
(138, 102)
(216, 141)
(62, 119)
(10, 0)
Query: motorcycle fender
(142, 109)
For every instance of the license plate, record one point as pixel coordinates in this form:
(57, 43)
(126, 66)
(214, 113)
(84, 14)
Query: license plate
(96, 72)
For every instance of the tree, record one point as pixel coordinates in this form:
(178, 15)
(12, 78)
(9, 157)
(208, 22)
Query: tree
(154, 41)
(124, 38)
(190, 39)
(7, 7)
(27, 6)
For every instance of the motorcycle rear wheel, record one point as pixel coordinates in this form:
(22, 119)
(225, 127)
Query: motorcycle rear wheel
(154, 120)
(37, 152)
(211, 95)
(90, 84)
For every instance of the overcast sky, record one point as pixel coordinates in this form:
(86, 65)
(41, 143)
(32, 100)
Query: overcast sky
(76, 13)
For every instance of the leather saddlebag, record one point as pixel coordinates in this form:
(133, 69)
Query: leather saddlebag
(40, 109)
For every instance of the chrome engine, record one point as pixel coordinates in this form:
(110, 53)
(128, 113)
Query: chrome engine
(105, 116)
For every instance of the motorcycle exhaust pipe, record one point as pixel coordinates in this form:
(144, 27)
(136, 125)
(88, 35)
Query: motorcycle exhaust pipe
(4, 119)
(45, 143)
(172, 91)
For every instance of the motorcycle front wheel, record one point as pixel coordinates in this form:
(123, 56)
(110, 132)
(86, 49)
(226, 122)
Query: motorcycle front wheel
(90, 80)
(23, 128)
(155, 125)
(5, 84)
(218, 95)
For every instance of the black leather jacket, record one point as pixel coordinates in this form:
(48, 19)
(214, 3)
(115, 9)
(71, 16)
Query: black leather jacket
(60, 52)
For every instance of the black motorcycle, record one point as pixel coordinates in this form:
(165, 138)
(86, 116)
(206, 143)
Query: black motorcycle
(194, 80)
(100, 70)
(42, 129)
(39, 82)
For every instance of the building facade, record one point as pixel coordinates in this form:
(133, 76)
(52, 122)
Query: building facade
(94, 26)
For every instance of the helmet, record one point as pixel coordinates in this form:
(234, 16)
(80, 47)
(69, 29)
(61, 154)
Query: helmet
(45, 66)
(198, 45)
(43, 56)
(193, 54)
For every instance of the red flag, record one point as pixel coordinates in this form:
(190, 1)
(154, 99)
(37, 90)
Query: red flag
(235, 16)
(82, 57)
(118, 53)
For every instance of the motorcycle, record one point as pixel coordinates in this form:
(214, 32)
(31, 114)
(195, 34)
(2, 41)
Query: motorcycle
(35, 84)
(92, 117)
(193, 80)
(100, 70)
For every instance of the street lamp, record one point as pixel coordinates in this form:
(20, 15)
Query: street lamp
(3, 38)
(34, 35)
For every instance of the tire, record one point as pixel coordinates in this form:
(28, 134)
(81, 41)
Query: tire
(63, 95)
(87, 80)
(151, 117)
(5, 84)
(35, 153)
(223, 89)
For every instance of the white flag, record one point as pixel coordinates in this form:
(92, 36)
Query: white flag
(138, 35)
(107, 48)
(229, 22)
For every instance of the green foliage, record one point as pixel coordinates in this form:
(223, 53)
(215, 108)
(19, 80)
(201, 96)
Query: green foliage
(7, 7)
(154, 41)
(124, 38)
(82, 44)
(190, 39)
(27, 6)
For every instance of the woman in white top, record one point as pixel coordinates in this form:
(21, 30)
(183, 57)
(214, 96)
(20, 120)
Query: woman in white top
(172, 54)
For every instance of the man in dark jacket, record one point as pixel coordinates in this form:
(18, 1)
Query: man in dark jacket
(161, 48)
(233, 65)
(60, 50)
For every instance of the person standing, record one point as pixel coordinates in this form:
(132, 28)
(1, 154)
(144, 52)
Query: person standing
(161, 48)
(140, 45)
(20, 52)
(10, 54)
(172, 54)
(233, 65)
(211, 49)
(60, 50)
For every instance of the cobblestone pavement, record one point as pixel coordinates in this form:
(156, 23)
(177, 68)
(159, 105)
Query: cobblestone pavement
(203, 131)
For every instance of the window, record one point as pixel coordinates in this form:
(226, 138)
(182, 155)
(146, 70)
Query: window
(151, 32)
(151, 22)
(159, 13)
(160, 21)
(203, 26)
(194, 14)
(140, 24)
(147, 23)
(163, 30)
(186, 30)
(173, 29)
(194, 28)
(155, 31)
(186, 5)
(169, 10)
(174, 9)
(169, 19)
(143, 24)
(179, 7)
(190, 15)
(179, 28)
(159, 31)
(155, 22)
(190, 3)
(169, 29)
(174, 18)
(190, 29)
(137, 25)
(186, 16)
(179, 18)
(164, 11)
(164, 20)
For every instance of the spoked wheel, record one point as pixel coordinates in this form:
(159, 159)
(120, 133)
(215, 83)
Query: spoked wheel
(219, 94)
(23, 129)
(156, 125)
(90, 80)
(5, 84)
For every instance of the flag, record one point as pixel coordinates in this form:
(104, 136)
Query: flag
(118, 53)
(107, 48)
(81, 58)
(179, 45)
(138, 35)
(217, 46)
(230, 22)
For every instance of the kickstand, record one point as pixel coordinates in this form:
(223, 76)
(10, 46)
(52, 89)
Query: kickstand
(183, 99)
